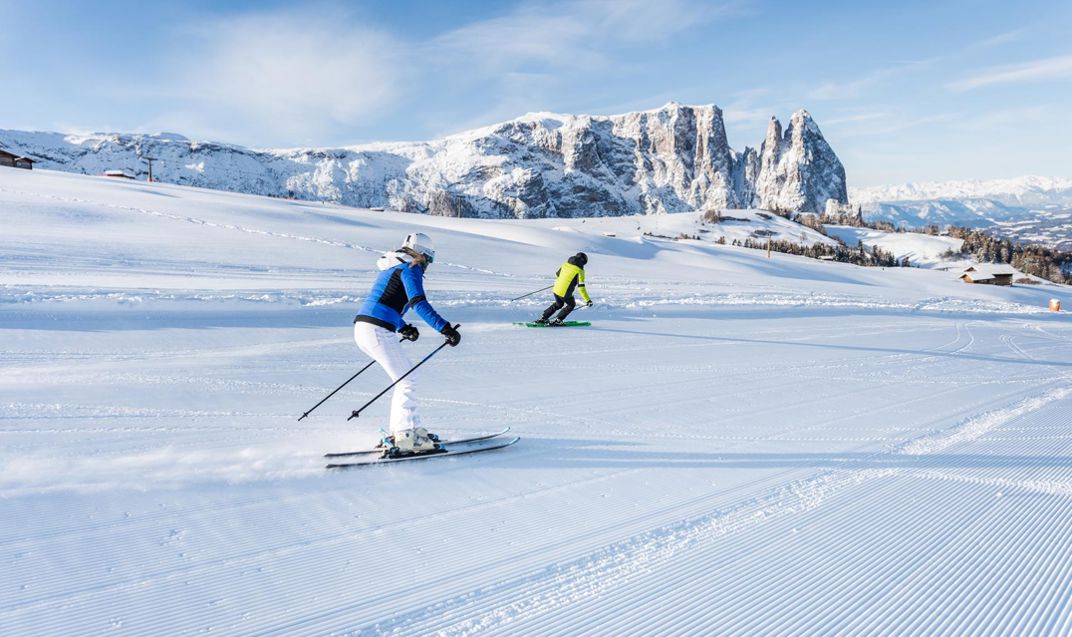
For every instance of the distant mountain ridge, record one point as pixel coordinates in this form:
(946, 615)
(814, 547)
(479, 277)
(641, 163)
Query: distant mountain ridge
(1024, 191)
(671, 159)
(1028, 209)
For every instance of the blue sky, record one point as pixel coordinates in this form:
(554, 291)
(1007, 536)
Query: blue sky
(905, 91)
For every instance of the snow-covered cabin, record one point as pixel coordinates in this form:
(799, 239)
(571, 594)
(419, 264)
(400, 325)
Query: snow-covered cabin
(15, 161)
(118, 174)
(987, 276)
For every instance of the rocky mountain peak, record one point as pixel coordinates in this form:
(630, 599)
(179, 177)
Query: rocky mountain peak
(798, 170)
(774, 133)
(800, 117)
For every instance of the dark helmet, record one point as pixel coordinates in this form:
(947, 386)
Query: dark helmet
(581, 258)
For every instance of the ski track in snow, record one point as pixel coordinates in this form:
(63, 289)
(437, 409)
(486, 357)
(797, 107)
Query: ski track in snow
(543, 593)
(736, 446)
(531, 600)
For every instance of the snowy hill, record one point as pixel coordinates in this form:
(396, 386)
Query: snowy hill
(1028, 209)
(736, 445)
(672, 159)
(922, 250)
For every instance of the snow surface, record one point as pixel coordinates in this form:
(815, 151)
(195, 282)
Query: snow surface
(738, 445)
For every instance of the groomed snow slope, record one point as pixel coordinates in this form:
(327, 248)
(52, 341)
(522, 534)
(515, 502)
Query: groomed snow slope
(736, 446)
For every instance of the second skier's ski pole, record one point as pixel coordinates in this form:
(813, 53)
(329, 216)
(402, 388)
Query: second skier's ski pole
(357, 412)
(531, 293)
(324, 400)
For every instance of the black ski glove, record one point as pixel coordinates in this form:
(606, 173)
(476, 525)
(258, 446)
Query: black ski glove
(453, 337)
(589, 303)
(409, 332)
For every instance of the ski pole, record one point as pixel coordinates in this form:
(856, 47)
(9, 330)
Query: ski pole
(531, 293)
(370, 364)
(357, 412)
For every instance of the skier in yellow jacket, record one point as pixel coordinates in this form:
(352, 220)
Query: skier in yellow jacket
(570, 277)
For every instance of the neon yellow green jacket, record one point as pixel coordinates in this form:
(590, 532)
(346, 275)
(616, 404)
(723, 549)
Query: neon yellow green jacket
(570, 277)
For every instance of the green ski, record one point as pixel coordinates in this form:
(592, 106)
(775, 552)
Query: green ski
(562, 324)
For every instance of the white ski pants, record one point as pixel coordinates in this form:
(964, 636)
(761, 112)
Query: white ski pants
(383, 347)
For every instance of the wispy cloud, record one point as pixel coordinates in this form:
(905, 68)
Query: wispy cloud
(295, 75)
(1054, 68)
(841, 90)
(858, 118)
(888, 125)
(750, 107)
(857, 87)
(1013, 118)
(557, 44)
(850, 89)
(1001, 39)
(747, 116)
(751, 94)
(575, 34)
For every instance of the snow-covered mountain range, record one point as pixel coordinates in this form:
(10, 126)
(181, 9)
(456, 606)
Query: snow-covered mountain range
(1020, 191)
(671, 159)
(1028, 209)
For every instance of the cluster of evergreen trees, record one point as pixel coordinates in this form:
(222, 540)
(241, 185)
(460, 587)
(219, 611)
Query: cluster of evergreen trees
(860, 255)
(1046, 263)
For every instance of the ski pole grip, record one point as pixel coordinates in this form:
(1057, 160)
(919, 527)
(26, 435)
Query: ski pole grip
(455, 326)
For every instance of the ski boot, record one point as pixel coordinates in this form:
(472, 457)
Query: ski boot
(540, 321)
(555, 322)
(387, 440)
(411, 441)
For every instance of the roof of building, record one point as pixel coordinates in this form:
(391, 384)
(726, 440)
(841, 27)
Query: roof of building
(986, 272)
(7, 153)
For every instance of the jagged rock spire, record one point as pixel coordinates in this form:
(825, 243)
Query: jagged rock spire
(798, 169)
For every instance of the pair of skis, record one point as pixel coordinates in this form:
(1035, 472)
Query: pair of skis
(562, 324)
(453, 447)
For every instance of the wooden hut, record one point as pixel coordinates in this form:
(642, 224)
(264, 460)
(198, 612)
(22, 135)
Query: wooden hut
(987, 276)
(15, 161)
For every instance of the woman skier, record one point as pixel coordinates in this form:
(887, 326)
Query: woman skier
(400, 286)
(570, 277)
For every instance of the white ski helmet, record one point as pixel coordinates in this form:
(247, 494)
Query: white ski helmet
(421, 244)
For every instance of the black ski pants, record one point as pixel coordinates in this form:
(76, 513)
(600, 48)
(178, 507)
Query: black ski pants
(566, 303)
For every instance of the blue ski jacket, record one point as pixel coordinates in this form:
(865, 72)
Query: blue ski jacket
(397, 289)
